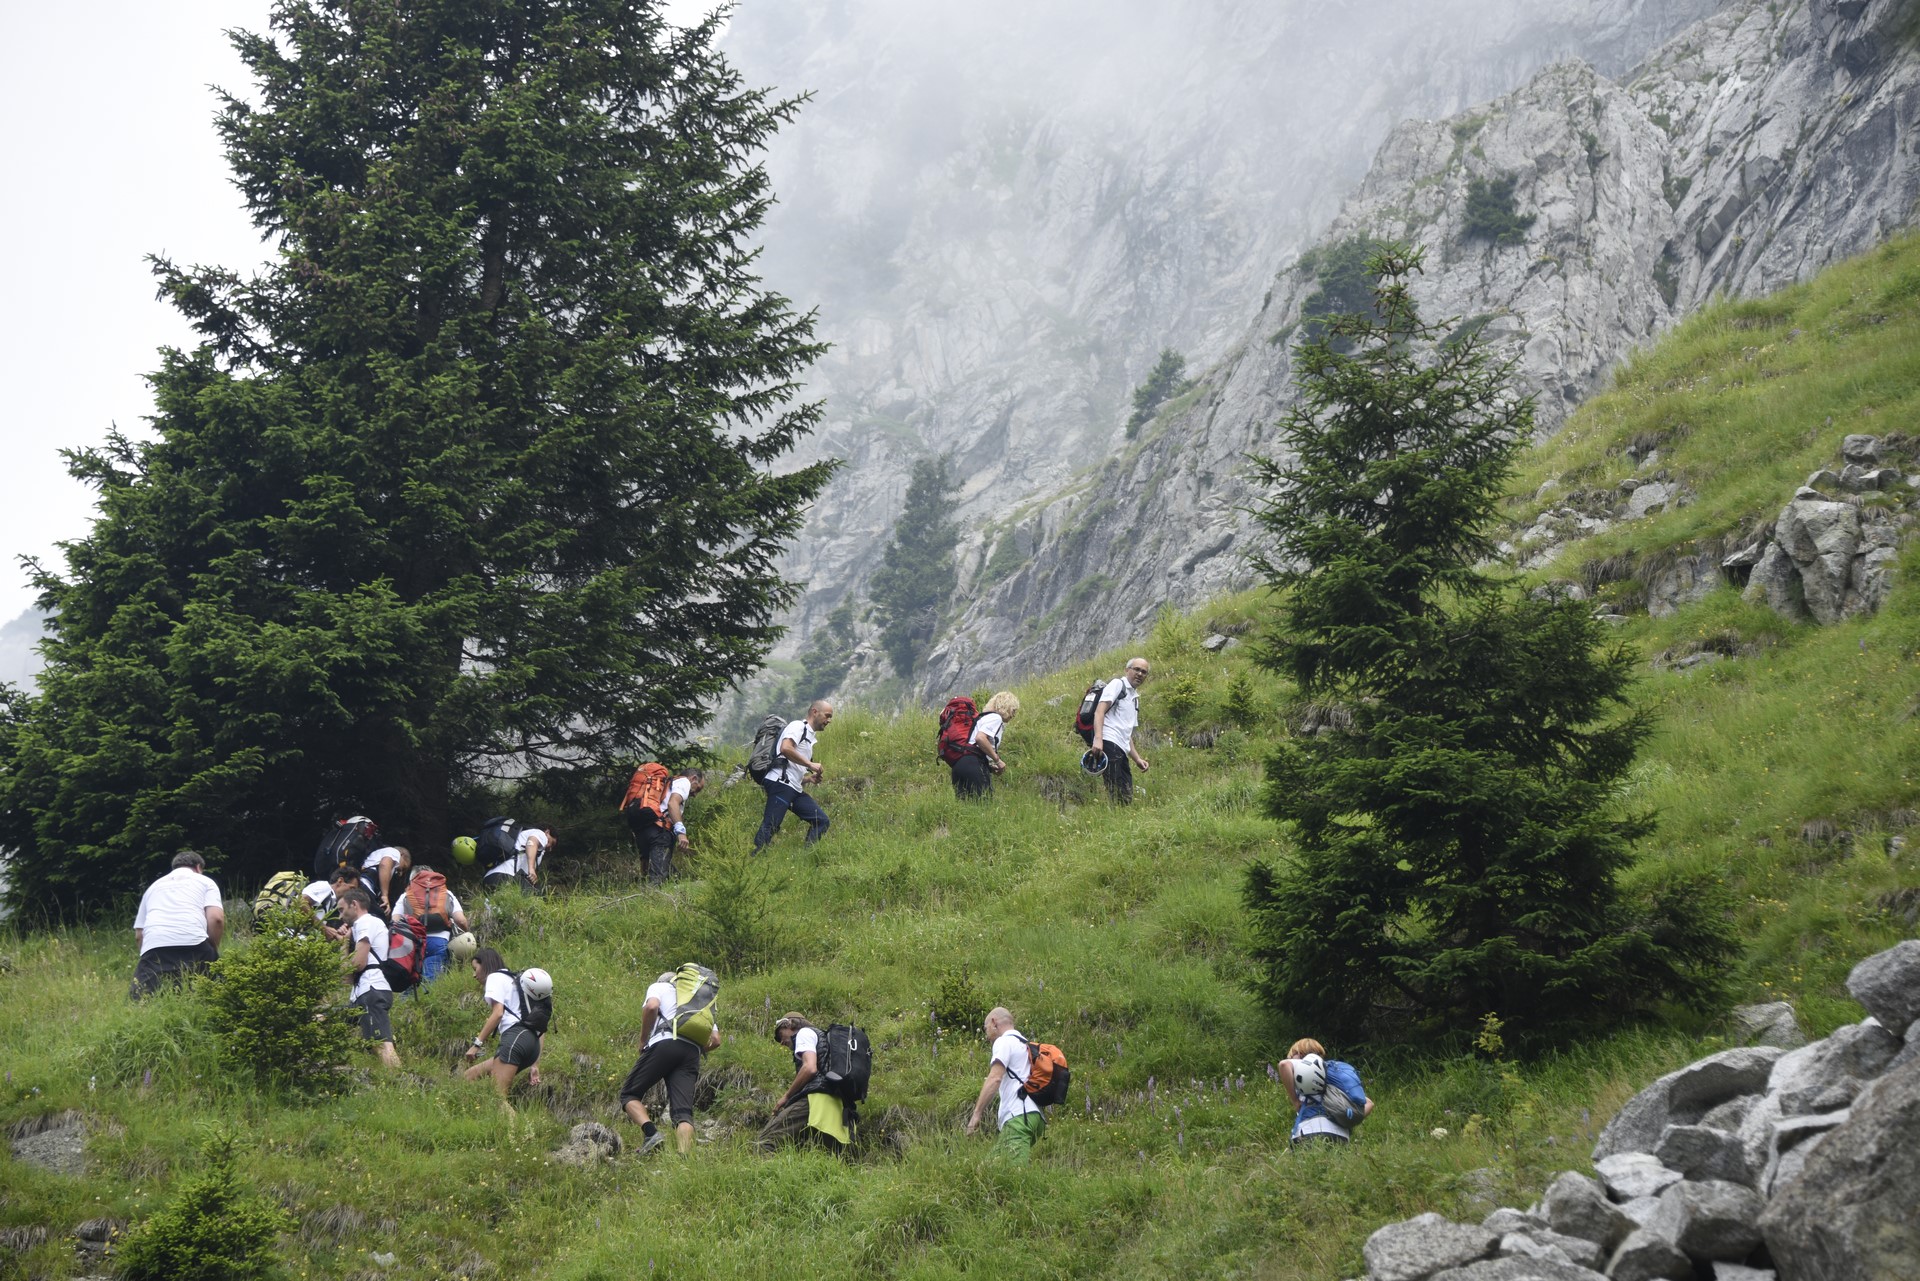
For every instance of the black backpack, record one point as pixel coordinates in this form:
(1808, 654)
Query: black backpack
(346, 844)
(536, 1013)
(844, 1062)
(766, 745)
(1090, 704)
(494, 844)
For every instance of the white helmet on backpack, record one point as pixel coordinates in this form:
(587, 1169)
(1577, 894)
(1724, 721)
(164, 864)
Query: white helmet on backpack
(1309, 1075)
(462, 947)
(538, 984)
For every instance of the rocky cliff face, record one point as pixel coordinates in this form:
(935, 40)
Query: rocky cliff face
(1004, 211)
(1755, 148)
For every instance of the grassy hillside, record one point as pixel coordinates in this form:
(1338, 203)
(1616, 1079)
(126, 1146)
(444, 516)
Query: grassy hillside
(1116, 934)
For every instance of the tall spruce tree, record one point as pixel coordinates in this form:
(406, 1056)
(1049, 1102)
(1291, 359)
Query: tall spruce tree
(917, 573)
(1459, 846)
(475, 481)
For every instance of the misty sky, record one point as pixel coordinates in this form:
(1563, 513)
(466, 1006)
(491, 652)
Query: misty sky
(109, 155)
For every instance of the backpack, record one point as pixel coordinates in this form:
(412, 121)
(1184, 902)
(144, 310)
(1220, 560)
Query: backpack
(1090, 704)
(494, 844)
(1344, 1099)
(282, 890)
(695, 989)
(957, 719)
(766, 744)
(536, 1013)
(346, 844)
(844, 1062)
(1047, 1074)
(406, 948)
(427, 898)
(647, 792)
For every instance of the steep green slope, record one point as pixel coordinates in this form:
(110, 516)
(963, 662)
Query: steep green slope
(1117, 934)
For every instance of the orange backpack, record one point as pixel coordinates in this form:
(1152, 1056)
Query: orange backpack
(1047, 1074)
(647, 791)
(427, 898)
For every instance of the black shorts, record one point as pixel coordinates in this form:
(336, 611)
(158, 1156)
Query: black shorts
(675, 1061)
(376, 1024)
(519, 1047)
(162, 965)
(493, 881)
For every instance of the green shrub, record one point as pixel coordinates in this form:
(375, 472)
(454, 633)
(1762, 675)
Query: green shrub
(216, 1228)
(1166, 380)
(1241, 705)
(1491, 214)
(734, 923)
(1180, 696)
(279, 1006)
(959, 1004)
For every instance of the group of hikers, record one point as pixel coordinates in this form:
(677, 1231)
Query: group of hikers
(400, 927)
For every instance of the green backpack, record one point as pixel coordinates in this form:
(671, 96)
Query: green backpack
(695, 990)
(281, 890)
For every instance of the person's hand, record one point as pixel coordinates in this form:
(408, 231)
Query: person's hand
(472, 1050)
(973, 1124)
(684, 843)
(815, 773)
(1141, 761)
(387, 904)
(533, 1075)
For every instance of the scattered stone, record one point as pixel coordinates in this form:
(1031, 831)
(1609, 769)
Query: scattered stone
(99, 1231)
(1640, 1209)
(1862, 449)
(1724, 1271)
(1730, 1114)
(1628, 1175)
(1504, 1220)
(1584, 1253)
(1215, 643)
(55, 1143)
(1821, 483)
(587, 1144)
(1792, 1142)
(1512, 1269)
(1518, 1245)
(1888, 985)
(1647, 1256)
(384, 1260)
(1713, 1219)
(1418, 1247)
(1771, 1023)
(1683, 1097)
(1827, 1074)
(1850, 1215)
(1576, 1205)
(1704, 1152)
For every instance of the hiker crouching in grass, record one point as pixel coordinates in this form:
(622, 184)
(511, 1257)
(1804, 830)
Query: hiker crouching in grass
(664, 1056)
(366, 947)
(519, 1048)
(804, 1115)
(1328, 1099)
(178, 927)
(1021, 1120)
(973, 774)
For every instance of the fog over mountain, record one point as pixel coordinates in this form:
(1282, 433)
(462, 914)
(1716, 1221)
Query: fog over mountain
(1004, 211)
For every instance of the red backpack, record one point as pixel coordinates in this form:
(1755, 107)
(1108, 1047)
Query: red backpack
(406, 950)
(647, 790)
(957, 720)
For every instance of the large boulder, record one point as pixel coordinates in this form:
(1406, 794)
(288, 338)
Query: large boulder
(1685, 1096)
(1704, 1152)
(1828, 1074)
(1577, 1206)
(1647, 1256)
(1851, 1215)
(1421, 1246)
(1771, 1023)
(1709, 1220)
(1627, 1175)
(1519, 1269)
(1888, 985)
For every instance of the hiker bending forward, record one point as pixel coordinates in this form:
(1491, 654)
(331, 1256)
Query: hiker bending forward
(804, 1114)
(519, 1044)
(973, 774)
(1306, 1073)
(178, 927)
(1021, 1120)
(664, 1056)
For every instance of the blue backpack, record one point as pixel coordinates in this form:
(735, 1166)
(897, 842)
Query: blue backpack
(1344, 1100)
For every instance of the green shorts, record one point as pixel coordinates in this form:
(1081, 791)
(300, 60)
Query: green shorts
(1018, 1136)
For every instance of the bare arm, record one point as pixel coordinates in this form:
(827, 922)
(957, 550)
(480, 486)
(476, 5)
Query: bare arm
(809, 1067)
(648, 1017)
(791, 750)
(535, 848)
(494, 1011)
(216, 925)
(139, 938)
(995, 1075)
(386, 882)
(359, 961)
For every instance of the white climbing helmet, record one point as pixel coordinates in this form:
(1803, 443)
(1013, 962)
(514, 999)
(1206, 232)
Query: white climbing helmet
(463, 946)
(538, 984)
(1309, 1075)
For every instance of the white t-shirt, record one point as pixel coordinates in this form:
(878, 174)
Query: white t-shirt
(681, 787)
(500, 987)
(369, 930)
(993, 725)
(370, 872)
(522, 860)
(320, 894)
(453, 907)
(805, 1041)
(669, 1002)
(1123, 716)
(1011, 1050)
(173, 911)
(784, 770)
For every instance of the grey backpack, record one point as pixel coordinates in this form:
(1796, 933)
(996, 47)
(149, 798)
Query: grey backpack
(766, 744)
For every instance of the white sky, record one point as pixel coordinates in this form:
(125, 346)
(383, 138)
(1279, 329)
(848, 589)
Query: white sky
(109, 154)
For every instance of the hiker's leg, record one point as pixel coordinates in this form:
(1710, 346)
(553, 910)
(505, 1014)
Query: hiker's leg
(779, 797)
(1018, 1136)
(433, 961)
(658, 849)
(683, 1136)
(683, 1076)
(1119, 775)
(970, 777)
(788, 1125)
(376, 1024)
(503, 1074)
(389, 1057)
(646, 1070)
(484, 1068)
(805, 807)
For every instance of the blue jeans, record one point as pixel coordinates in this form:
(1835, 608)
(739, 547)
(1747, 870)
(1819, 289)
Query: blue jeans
(433, 961)
(780, 799)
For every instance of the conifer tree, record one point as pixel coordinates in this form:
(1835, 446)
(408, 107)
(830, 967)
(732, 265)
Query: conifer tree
(917, 574)
(1459, 848)
(476, 480)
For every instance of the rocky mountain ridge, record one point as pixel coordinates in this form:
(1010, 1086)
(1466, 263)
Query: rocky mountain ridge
(1762, 144)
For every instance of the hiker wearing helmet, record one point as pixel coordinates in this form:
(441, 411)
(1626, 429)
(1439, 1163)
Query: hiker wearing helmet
(1327, 1096)
(803, 1114)
(793, 768)
(178, 927)
(973, 773)
(1022, 1121)
(666, 1056)
(519, 1048)
(1115, 718)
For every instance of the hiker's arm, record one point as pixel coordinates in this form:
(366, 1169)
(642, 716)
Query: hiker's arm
(494, 1011)
(535, 848)
(791, 750)
(677, 816)
(216, 924)
(713, 1042)
(1138, 759)
(648, 1017)
(995, 1075)
(386, 883)
(1100, 725)
(809, 1065)
(1286, 1079)
(1367, 1110)
(460, 919)
(139, 939)
(359, 961)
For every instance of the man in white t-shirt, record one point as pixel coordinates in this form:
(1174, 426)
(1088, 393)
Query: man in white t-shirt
(178, 927)
(384, 873)
(1022, 1121)
(793, 768)
(523, 866)
(366, 947)
(1115, 719)
(658, 842)
(803, 1114)
(322, 899)
(664, 1056)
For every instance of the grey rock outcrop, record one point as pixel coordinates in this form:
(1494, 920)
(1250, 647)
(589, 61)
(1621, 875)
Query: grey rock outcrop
(1771, 1023)
(1514, 1268)
(588, 1143)
(1888, 985)
(1709, 1220)
(1646, 1255)
(1703, 1152)
(1421, 1246)
(1685, 1096)
(1630, 1175)
(1576, 1206)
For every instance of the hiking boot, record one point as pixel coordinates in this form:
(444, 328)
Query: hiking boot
(652, 1141)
